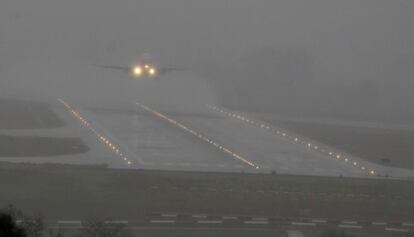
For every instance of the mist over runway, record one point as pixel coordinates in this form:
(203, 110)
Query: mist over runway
(204, 139)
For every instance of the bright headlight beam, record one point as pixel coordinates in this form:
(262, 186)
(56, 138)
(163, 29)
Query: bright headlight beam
(152, 71)
(137, 71)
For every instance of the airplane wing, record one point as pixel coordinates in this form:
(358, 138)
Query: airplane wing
(119, 68)
(166, 70)
(161, 71)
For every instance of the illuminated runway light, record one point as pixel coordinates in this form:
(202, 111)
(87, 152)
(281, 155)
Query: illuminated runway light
(233, 154)
(261, 125)
(372, 172)
(129, 162)
(99, 136)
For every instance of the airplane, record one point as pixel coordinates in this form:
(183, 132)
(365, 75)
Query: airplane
(144, 69)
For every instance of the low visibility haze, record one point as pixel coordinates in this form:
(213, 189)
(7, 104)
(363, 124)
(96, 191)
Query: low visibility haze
(342, 59)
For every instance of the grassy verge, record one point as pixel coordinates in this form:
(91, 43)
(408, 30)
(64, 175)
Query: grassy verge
(61, 191)
(21, 114)
(32, 146)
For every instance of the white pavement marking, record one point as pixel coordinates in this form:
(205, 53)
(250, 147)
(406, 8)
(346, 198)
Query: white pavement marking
(350, 226)
(349, 222)
(379, 223)
(229, 217)
(199, 216)
(117, 222)
(319, 221)
(260, 219)
(295, 233)
(396, 229)
(169, 215)
(256, 222)
(210, 222)
(162, 221)
(408, 224)
(69, 222)
(303, 223)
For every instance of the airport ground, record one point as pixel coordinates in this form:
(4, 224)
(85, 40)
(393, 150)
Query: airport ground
(86, 191)
(63, 192)
(27, 114)
(68, 192)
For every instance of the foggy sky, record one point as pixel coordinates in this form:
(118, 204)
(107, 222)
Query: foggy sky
(221, 30)
(350, 40)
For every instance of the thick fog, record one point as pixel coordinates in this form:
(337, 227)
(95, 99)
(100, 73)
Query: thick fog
(317, 58)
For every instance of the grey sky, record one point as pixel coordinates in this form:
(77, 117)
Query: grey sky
(343, 30)
(349, 40)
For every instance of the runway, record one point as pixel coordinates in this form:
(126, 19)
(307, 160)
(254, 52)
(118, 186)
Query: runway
(212, 139)
(135, 135)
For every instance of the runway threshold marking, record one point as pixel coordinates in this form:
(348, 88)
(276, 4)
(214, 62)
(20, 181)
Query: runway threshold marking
(256, 222)
(396, 229)
(349, 226)
(69, 222)
(162, 221)
(303, 223)
(176, 220)
(202, 137)
(210, 222)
